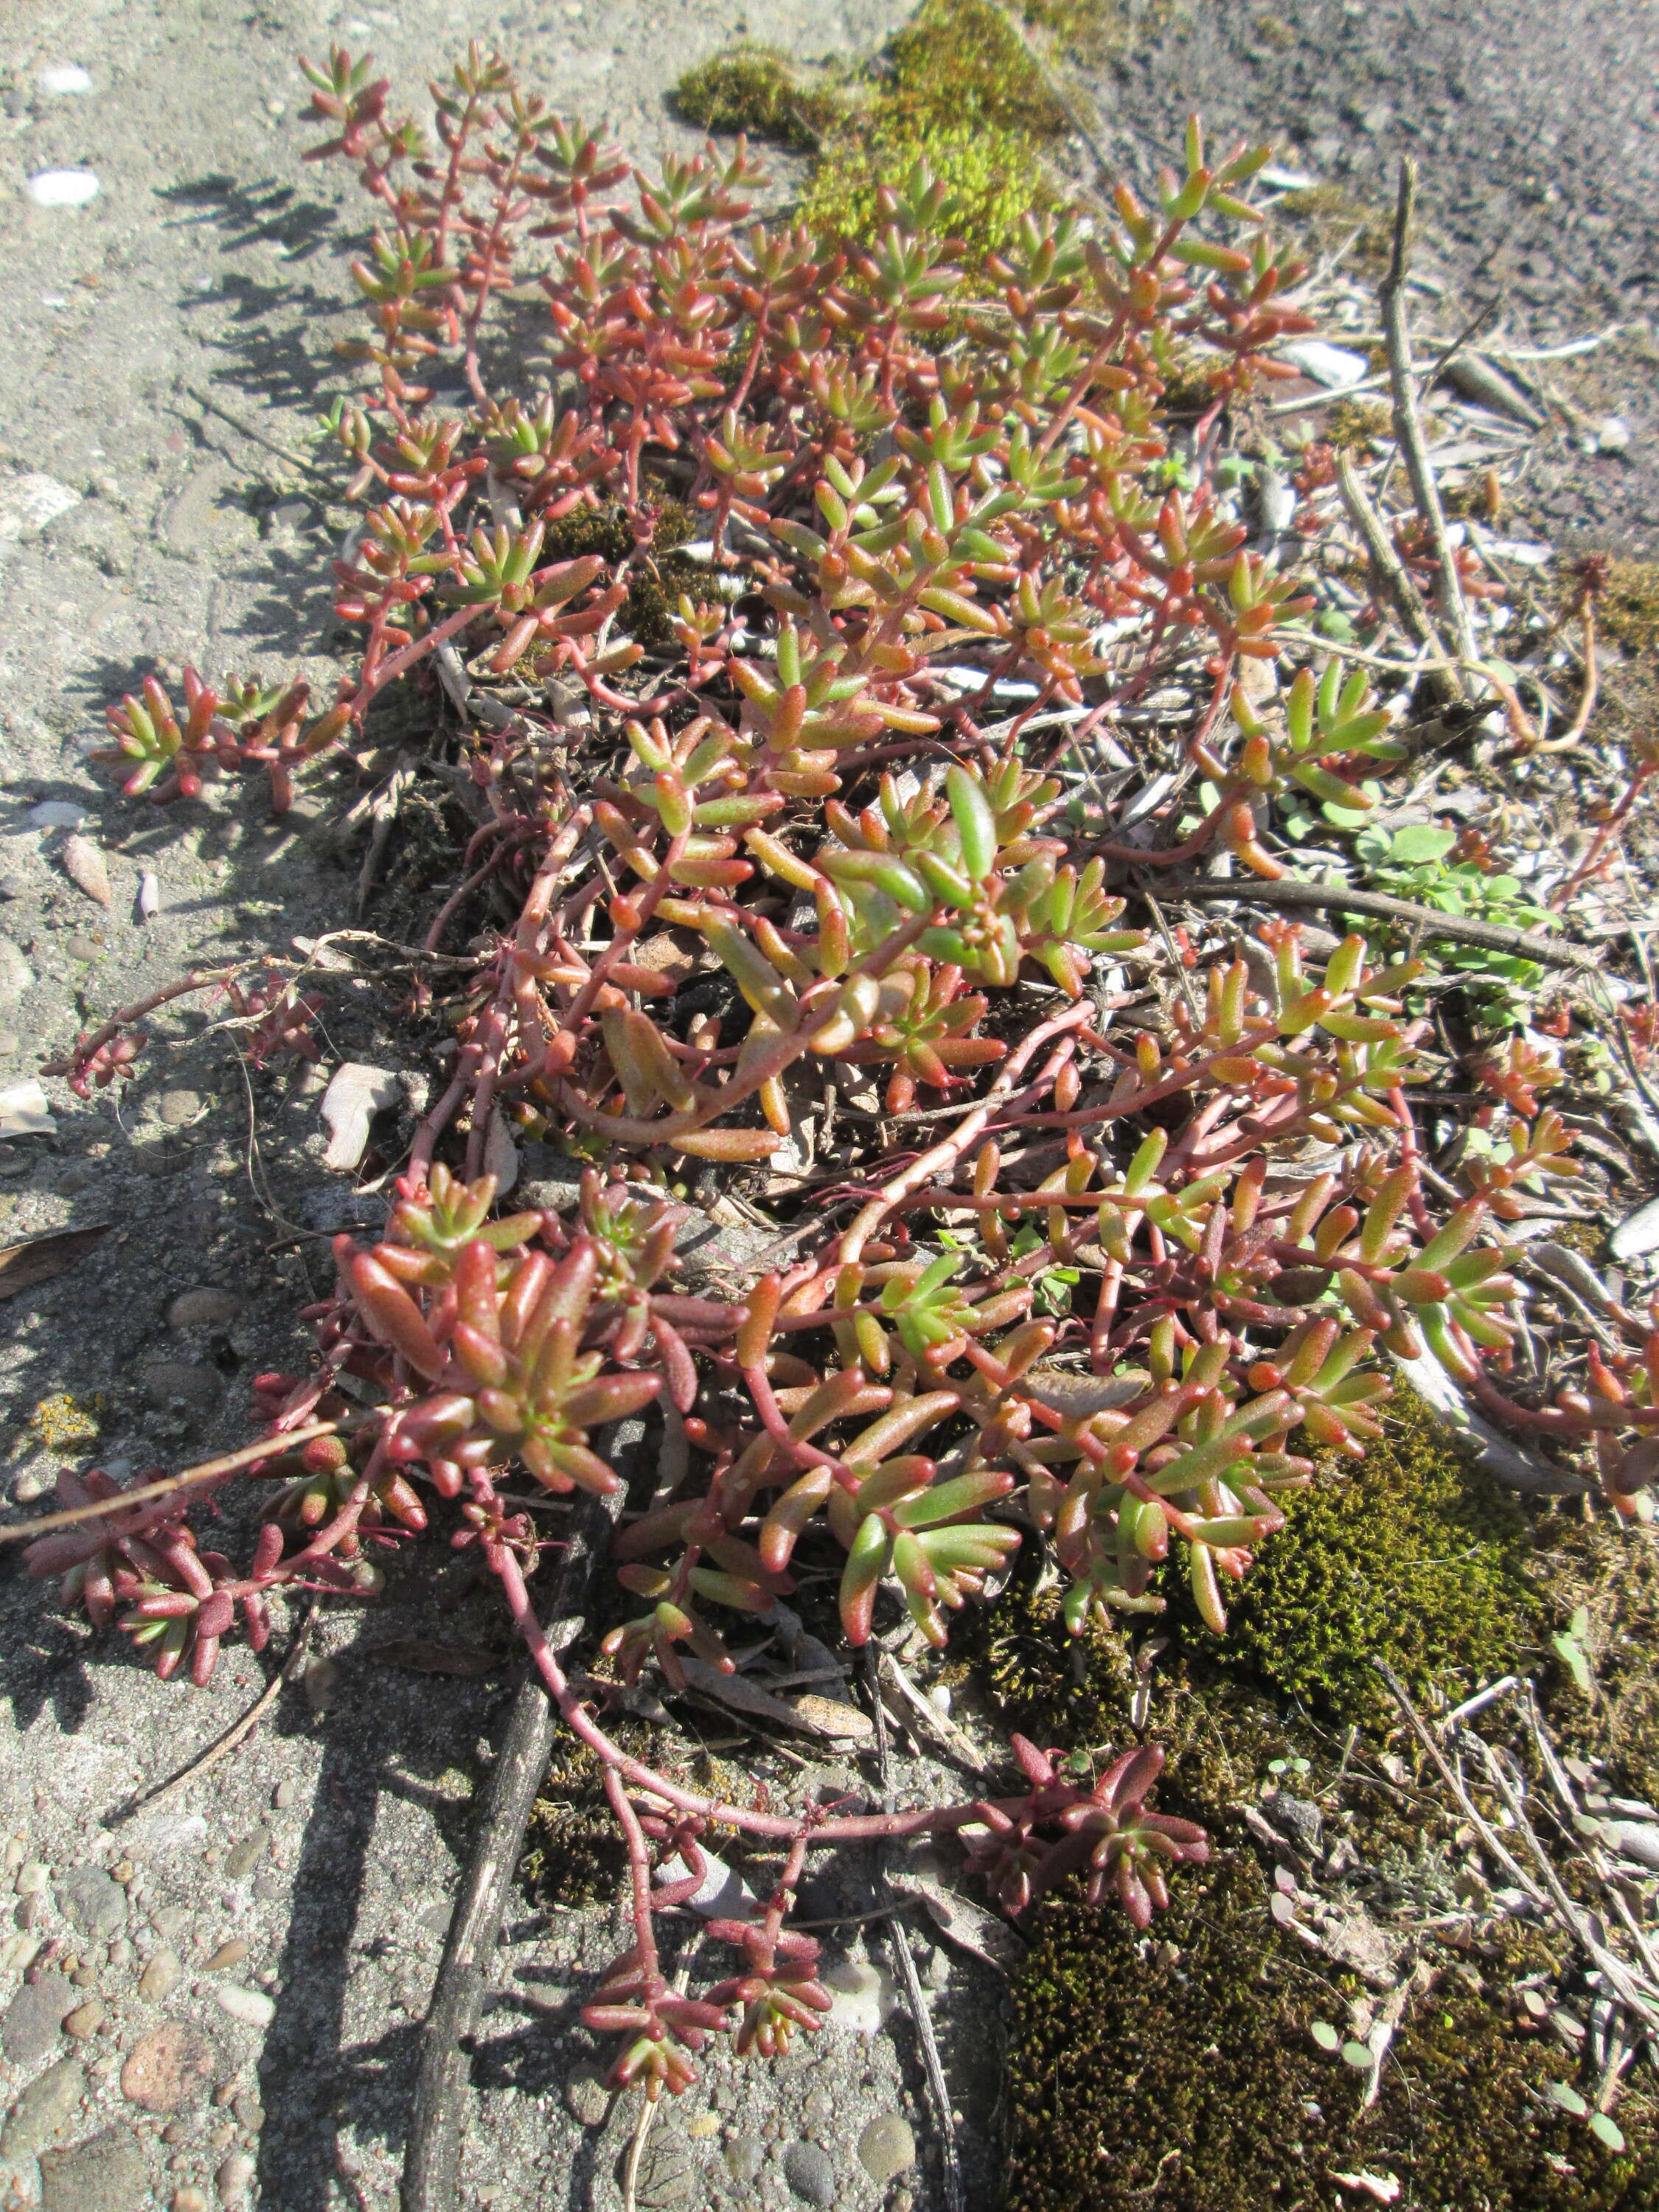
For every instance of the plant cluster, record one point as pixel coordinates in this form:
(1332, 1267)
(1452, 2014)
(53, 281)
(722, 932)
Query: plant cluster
(941, 552)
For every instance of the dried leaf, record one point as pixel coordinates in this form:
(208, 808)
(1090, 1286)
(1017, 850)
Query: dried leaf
(23, 1266)
(959, 1919)
(355, 1094)
(819, 1716)
(83, 864)
(829, 1716)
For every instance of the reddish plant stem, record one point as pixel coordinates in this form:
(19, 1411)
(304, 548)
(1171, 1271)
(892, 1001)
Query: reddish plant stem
(861, 1828)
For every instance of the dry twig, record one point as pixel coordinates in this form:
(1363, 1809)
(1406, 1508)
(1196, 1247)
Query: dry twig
(1408, 423)
(1290, 890)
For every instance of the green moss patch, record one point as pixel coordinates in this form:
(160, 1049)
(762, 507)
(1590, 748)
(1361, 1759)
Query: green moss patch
(758, 90)
(1411, 1555)
(959, 89)
(1179, 2071)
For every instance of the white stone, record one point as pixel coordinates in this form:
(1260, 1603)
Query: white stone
(56, 814)
(1334, 366)
(28, 503)
(25, 1111)
(861, 1996)
(723, 1894)
(251, 2007)
(62, 78)
(57, 188)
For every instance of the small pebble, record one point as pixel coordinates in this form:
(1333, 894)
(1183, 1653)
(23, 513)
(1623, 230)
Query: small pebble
(249, 2113)
(286, 1795)
(251, 2007)
(42, 2109)
(587, 2098)
(810, 2173)
(233, 2178)
(168, 1920)
(887, 2148)
(227, 1954)
(87, 1895)
(241, 1859)
(61, 79)
(31, 1879)
(176, 1107)
(85, 2020)
(744, 2157)
(29, 1485)
(189, 2199)
(322, 1684)
(106, 2173)
(705, 2124)
(209, 1307)
(171, 1381)
(58, 188)
(167, 2067)
(28, 2031)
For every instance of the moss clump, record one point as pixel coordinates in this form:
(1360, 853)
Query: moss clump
(1219, 1731)
(574, 1852)
(1336, 217)
(957, 88)
(992, 174)
(1191, 2081)
(757, 90)
(1611, 1568)
(963, 62)
(1628, 608)
(1356, 425)
(655, 583)
(962, 95)
(1412, 1555)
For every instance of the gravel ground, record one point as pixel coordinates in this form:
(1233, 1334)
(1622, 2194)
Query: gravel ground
(1537, 135)
(216, 2003)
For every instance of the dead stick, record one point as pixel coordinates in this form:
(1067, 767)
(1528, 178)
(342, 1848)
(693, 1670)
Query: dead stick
(1292, 890)
(913, 1989)
(1408, 423)
(1443, 676)
(1471, 1813)
(1625, 1983)
(209, 1471)
(433, 2151)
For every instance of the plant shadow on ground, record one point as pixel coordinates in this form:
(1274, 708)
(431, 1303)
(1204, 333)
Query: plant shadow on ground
(90, 1333)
